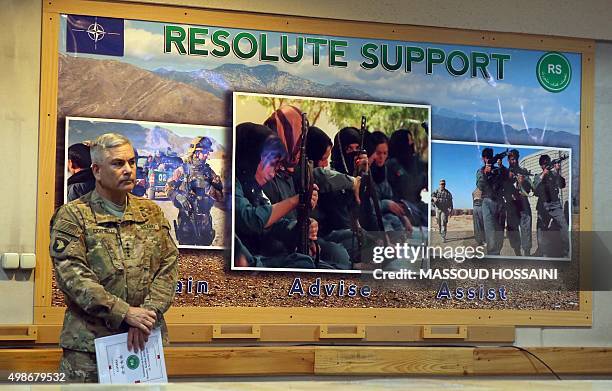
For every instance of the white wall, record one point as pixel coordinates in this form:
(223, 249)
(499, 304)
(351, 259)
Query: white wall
(20, 32)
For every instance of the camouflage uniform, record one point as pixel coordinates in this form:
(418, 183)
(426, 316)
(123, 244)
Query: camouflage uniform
(104, 265)
(444, 205)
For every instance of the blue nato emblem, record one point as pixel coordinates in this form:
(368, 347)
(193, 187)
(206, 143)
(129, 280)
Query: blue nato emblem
(95, 35)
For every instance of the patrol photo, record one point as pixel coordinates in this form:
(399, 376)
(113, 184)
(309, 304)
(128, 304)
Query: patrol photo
(182, 168)
(318, 182)
(516, 201)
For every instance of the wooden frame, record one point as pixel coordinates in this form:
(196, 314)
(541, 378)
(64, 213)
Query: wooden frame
(193, 318)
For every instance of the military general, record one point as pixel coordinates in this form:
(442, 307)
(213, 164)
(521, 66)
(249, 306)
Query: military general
(114, 261)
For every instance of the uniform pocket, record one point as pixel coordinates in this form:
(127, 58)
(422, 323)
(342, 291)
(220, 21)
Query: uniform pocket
(103, 254)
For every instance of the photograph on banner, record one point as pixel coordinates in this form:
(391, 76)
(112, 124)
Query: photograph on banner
(320, 181)
(515, 201)
(182, 168)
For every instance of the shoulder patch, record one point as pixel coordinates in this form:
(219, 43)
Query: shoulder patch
(67, 227)
(60, 244)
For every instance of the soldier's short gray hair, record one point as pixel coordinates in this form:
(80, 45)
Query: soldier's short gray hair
(104, 142)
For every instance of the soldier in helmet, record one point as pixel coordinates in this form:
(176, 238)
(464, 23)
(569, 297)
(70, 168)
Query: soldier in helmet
(193, 189)
(443, 201)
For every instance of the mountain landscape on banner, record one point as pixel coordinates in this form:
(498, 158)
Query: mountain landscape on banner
(113, 89)
(145, 139)
(261, 78)
(128, 92)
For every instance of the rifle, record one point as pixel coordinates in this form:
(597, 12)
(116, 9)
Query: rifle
(518, 170)
(558, 160)
(304, 190)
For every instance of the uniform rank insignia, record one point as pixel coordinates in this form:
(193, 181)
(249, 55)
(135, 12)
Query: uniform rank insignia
(60, 245)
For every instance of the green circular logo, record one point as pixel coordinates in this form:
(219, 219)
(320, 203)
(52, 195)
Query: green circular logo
(133, 362)
(554, 72)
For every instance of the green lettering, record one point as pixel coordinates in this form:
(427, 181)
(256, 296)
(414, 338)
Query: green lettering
(316, 48)
(299, 50)
(194, 40)
(263, 54)
(385, 58)
(464, 61)
(335, 52)
(500, 58)
(218, 39)
(367, 53)
(480, 61)
(413, 54)
(176, 35)
(434, 56)
(236, 45)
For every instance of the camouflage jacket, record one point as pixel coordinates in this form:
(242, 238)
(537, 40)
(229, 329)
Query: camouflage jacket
(105, 265)
(443, 199)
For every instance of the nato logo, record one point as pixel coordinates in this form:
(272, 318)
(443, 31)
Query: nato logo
(94, 35)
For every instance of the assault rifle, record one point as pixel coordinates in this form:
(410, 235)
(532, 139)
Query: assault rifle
(552, 163)
(304, 189)
(518, 170)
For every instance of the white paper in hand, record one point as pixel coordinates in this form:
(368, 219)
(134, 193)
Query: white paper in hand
(117, 365)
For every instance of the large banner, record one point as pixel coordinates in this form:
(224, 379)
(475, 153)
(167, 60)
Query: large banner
(357, 172)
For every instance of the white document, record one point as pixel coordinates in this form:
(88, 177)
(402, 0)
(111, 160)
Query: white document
(117, 365)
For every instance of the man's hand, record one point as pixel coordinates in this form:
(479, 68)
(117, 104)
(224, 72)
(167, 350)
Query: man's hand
(361, 163)
(396, 209)
(356, 188)
(315, 196)
(313, 230)
(136, 339)
(141, 318)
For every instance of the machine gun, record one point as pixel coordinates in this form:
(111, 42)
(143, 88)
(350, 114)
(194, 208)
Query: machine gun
(304, 189)
(518, 170)
(558, 160)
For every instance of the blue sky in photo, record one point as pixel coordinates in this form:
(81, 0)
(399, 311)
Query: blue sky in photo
(458, 163)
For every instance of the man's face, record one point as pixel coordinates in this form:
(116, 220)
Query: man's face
(268, 170)
(442, 185)
(117, 172)
(324, 162)
(512, 160)
(201, 155)
(380, 154)
(352, 148)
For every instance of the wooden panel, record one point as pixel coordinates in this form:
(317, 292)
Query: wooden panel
(394, 333)
(201, 361)
(289, 333)
(239, 361)
(582, 361)
(491, 334)
(46, 156)
(443, 361)
(18, 333)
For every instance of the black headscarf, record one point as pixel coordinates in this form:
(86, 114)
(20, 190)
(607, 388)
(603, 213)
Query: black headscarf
(255, 143)
(400, 148)
(373, 140)
(317, 143)
(340, 160)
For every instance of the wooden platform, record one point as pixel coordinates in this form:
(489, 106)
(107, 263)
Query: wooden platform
(349, 360)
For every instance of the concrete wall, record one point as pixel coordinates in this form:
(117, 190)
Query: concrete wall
(20, 27)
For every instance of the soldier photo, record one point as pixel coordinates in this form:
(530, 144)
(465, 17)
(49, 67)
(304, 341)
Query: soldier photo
(194, 188)
(552, 227)
(518, 211)
(442, 199)
(477, 220)
(114, 260)
(490, 180)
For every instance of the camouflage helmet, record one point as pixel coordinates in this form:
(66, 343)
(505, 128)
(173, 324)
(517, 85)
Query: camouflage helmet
(200, 144)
